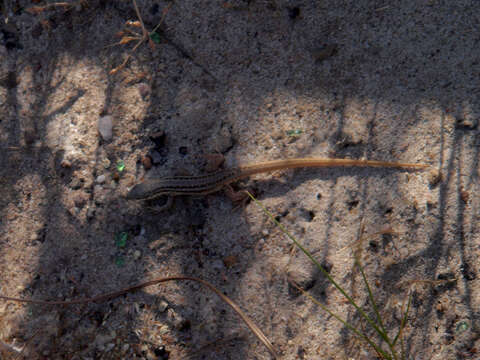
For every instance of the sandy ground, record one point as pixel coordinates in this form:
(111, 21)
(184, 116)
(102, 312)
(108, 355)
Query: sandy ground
(253, 80)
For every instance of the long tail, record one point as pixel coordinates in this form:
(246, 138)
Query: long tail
(273, 165)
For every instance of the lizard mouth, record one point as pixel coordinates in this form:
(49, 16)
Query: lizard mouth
(136, 193)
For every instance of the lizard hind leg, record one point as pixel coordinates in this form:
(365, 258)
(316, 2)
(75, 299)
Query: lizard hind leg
(239, 198)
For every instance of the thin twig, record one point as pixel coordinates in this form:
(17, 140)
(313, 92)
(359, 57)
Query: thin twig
(253, 327)
(9, 348)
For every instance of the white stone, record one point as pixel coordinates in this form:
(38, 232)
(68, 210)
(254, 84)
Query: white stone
(105, 127)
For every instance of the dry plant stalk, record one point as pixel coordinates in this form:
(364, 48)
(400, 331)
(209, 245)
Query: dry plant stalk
(253, 327)
(145, 36)
(38, 9)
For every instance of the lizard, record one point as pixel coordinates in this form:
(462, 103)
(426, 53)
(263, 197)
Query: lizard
(208, 183)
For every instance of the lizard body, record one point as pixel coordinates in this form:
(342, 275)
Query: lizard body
(216, 181)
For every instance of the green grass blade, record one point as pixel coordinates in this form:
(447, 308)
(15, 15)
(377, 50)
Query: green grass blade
(360, 334)
(383, 333)
(404, 320)
(320, 267)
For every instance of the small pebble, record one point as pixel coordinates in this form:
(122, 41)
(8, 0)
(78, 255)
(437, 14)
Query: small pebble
(105, 127)
(147, 162)
(217, 265)
(90, 212)
(76, 183)
(434, 177)
(30, 135)
(137, 254)
(65, 164)
(144, 90)
(158, 137)
(466, 122)
(163, 329)
(163, 306)
(106, 163)
(156, 157)
(230, 261)
(100, 179)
